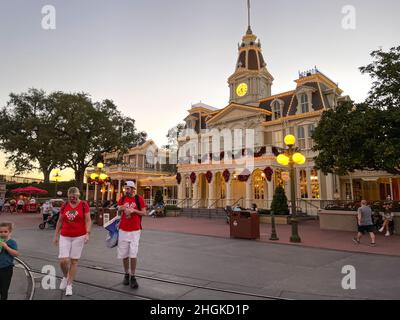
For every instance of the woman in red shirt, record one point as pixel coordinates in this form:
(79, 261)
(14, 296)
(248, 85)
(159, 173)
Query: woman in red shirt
(72, 233)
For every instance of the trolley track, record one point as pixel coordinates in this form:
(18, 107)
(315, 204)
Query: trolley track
(160, 280)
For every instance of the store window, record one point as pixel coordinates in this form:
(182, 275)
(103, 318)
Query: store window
(303, 184)
(315, 191)
(259, 186)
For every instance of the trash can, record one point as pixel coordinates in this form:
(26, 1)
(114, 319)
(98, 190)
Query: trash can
(104, 215)
(245, 225)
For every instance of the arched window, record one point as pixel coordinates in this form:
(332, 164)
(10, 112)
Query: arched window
(304, 103)
(303, 184)
(276, 110)
(301, 137)
(315, 184)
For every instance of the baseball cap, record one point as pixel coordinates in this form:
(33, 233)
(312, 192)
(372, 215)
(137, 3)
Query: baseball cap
(130, 184)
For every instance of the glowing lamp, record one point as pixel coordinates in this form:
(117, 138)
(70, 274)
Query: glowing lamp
(94, 176)
(290, 140)
(298, 158)
(100, 165)
(282, 160)
(103, 176)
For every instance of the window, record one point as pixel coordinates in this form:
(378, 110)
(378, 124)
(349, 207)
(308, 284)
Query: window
(303, 184)
(279, 179)
(258, 186)
(301, 137)
(304, 103)
(277, 139)
(315, 185)
(311, 129)
(277, 112)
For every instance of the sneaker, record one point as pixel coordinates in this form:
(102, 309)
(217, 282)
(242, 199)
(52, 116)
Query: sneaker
(134, 284)
(373, 244)
(68, 290)
(356, 241)
(63, 284)
(126, 279)
(387, 234)
(381, 230)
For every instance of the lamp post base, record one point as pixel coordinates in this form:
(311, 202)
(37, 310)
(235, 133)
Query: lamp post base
(295, 238)
(274, 236)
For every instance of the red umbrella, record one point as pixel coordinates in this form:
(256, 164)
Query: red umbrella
(29, 190)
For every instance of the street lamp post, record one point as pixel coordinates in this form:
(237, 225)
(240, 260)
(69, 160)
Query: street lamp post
(290, 157)
(98, 175)
(57, 177)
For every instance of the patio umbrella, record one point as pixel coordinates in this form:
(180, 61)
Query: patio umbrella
(29, 190)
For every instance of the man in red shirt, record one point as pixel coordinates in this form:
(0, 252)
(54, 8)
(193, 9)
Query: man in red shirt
(131, 208)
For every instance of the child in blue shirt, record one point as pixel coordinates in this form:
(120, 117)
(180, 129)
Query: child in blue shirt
(8, 250)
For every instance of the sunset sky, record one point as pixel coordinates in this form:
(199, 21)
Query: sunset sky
(155, 58)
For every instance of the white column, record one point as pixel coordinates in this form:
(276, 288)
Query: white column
(228, 187)
(87, 191)
(196, 194)
(270, 195)
(329, 186)
(119, 190)
(298, 191)
(95, 192)
(108, 191)
(351, 187)
(309, 190)
(391, 188)
(102, 194)
(249, 193)
(181, 191)
(211, 192)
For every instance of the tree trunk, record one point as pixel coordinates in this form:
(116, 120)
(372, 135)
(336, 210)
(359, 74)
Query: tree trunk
(79, 177)
(46, 174)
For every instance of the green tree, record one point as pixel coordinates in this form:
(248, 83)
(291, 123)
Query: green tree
(27, 133)
(385, 73)
(364, 136)
(90, 129)
(172, 148)
(279, 203)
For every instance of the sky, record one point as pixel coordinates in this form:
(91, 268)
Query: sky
(155, 58)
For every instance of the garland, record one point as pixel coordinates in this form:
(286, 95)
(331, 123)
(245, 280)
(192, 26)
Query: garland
(178, 178)
(209, 176)
(244, 176)
(226, 174)
(193, 177)
(268, 173)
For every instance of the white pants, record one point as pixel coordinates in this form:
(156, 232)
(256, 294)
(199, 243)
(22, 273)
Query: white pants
(128, 244)
(71, 247)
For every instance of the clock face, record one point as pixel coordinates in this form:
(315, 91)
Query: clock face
(241, 89)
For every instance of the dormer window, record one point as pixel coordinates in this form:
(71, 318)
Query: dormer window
(276, 110)
(304, 103)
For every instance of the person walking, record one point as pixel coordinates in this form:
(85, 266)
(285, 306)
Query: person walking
(131, 208)
(8, 251)
(365, 223)
(72, 233)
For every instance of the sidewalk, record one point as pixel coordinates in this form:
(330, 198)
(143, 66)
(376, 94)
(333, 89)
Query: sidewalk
(309, 231)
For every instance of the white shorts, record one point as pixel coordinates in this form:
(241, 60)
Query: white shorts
(71, 247)
(128, 244)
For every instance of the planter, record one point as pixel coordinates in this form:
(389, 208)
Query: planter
(347, 220)
(173, 213)
(278, 219)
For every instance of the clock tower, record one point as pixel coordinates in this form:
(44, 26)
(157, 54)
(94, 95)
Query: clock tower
(251, 81)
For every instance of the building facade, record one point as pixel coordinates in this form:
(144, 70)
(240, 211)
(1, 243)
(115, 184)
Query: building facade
(227, 157)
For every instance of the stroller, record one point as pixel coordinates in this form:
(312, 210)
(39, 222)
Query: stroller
(50, 220)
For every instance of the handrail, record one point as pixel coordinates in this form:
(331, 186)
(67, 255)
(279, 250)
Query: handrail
(181, 202)
(308, 201)
(237, 201)
(212, 204)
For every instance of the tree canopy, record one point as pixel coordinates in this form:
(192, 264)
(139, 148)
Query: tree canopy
(364, 136)
(65, 130)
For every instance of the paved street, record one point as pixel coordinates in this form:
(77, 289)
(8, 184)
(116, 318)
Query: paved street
(249, 267)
